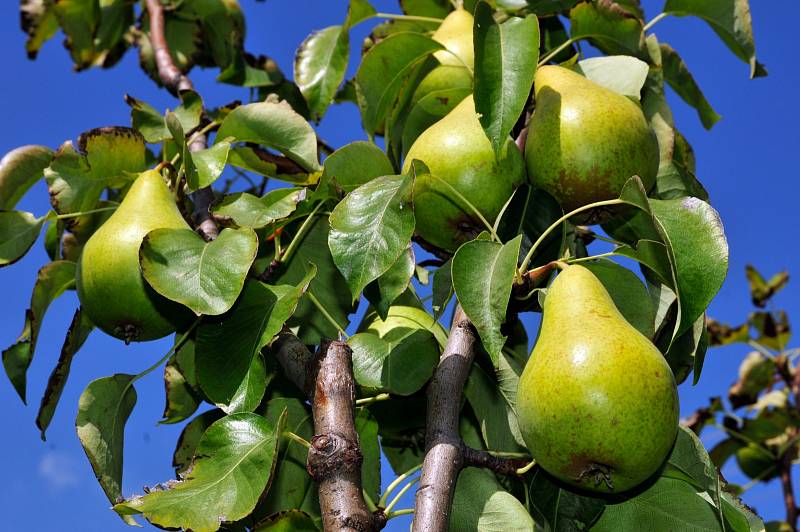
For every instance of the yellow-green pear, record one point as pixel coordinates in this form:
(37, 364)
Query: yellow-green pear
(585, 141)
(110, 285)
(456, 150)
(597, 401)
(455, 34)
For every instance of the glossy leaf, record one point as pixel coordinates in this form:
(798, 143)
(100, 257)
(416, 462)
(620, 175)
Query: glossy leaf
(79, 330)
(207, 165)
(383, 291)
(442, 288)
(367, 429)
(629, 294)
(681, 80)
(235, 455)
(205, 276)
(18, 231)
(250, 325)
(480, 503)
(103, 410)
(370, 228)
(274, 125)
(620, 73)
(251, 390)
(190, 436)
(495, 411)
(51, 281)
(319, 67)
(382, 71)
(613, 29)
(288, 521)
(19, 170)
(355, 164)
(246, 210)
(180, 383)
(150, 123)
(505, 62)
(562, 509)
(483, 274)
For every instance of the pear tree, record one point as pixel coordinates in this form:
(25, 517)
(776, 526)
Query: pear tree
(335, 307)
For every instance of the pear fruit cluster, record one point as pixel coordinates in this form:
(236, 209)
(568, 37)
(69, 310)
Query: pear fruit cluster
(585, 141)
(597, 402)
(110, 285)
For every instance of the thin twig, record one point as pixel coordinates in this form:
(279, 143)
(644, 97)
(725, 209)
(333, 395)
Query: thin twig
(498, 464)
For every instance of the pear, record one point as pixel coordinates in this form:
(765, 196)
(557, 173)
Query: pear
(597, 401)
(456, 150)
(585, 141)
(110, 285)
(455, 34)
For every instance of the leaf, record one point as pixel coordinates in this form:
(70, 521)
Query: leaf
(40, 23)
(205, 276)
(103, 410)
(287, 521)
(495, 411)
(620, 73)
(319, 67)
(367, 429)
(51, 281)
(562, 509)
(690, 462)
(18, 231)
(385, 289)
(251, 390)
(235, 455)
(261, 162)
(756, 373)
(483, 273)
(612, 28)
(442, 288)
(207, 165)
(546, 7)
(353, 165)
(762, 290)
(529, 214)
(730, 20)
(380, 76)
(250, 325)
(740, 518)
(681, 80)
(629, 294)
(274, 125)
(480, 503)
(246, 210)
(79, 330)
(180, 383)
(78, 21)
(190, 437)
(669, 504)
(505, 63)
(19, 170)
(150, 123)
(370, 228)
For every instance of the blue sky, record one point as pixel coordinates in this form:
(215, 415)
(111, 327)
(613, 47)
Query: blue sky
(747, 162)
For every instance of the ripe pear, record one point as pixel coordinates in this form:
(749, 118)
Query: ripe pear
(455, 34)
(456, 150)
(110, 285)
(597, 401)
(585, 141)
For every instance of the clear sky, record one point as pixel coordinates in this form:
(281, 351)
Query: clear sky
(748, 162)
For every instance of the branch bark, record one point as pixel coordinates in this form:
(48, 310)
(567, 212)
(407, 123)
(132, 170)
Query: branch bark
(176, 81)
(334, 459)
(498, 464)
(444, 450)
(785, 467)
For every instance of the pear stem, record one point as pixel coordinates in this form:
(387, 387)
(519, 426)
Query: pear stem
(374, 399)
(590, 258)
(398, 513)
(295, 438)
(325, 313)
(174, 349)
(396, 482)
(561, 220)
(656, 19)
(410, 484)
(84, 213)
(521, 471)
(566, 44)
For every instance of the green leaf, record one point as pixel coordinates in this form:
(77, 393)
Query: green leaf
(612, 28)
(426, 8)
(383, 291)
(150, 123)
(205, 276)
(18, 231)
(681, 80)
(246, 210)
(235, 455)
(529, 214)
(19, 170)
(370, 229)
(261, 162)
(762, 290)
(78, 21)
(690, 462)
(480, 503)
(358, 11)
(629, 294)
(730, 20)
(669, 504)
(319, 67)
(384, 67)
(207, 165)
(287, 521)
(483, 273)
(79, 330)
(505, 63)
(740, 518)
(620, 73)
(494, 410)
(562, 509)
(40, 23)
(367, 429)
(180, 384)
(250, 325)
(442, 288)
(103, 410)
(251, 390)
(274, 125)
(51, 281)
(546, 7)
(355, 164)
(190, 437)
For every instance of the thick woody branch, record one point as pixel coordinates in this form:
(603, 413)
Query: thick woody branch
(444, 450)
(176, 81)
(785, 468)
(293, 356)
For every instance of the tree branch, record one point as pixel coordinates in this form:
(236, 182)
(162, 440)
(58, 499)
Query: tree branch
(486, 460)
(444, 450)
(176, 81)
(785, 468)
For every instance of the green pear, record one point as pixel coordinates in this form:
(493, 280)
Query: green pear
(597, 401)
(456, 150)
(455, 34)
(756, 462)
(110, 285)
(585, 141)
